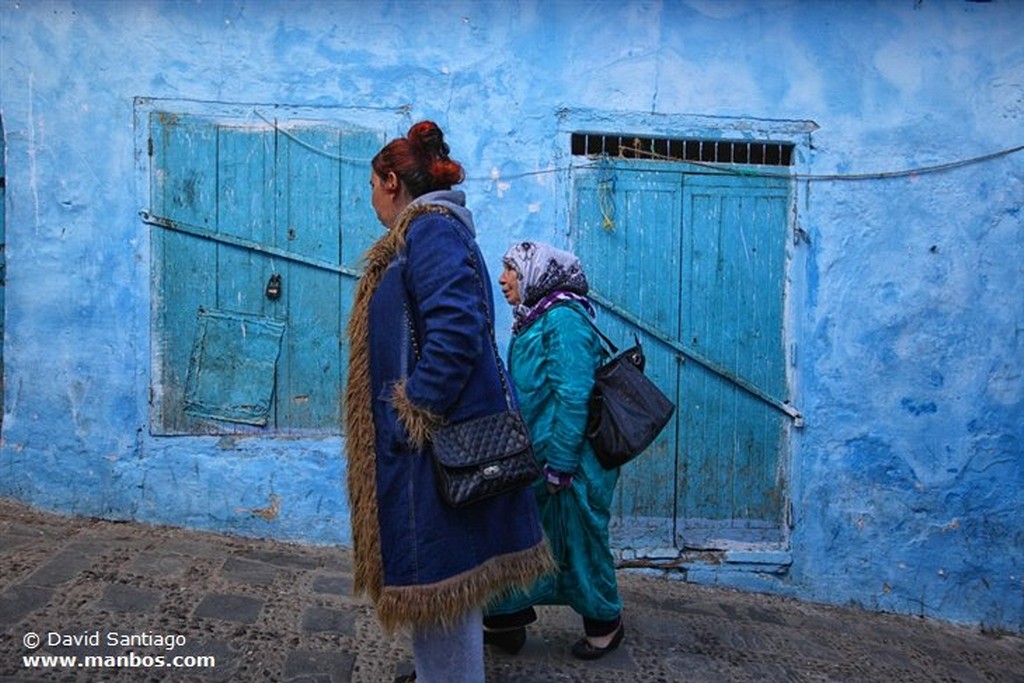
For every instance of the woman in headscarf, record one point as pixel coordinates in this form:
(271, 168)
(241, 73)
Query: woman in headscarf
(421, 353)
(552, 358)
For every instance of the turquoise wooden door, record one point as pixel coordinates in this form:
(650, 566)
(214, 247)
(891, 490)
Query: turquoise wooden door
(730, 482)
(257, 228)
(696, 262)
(3, 260)
(626, 233)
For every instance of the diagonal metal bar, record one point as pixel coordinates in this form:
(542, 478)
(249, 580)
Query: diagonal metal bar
(242, 243)
(796, 415)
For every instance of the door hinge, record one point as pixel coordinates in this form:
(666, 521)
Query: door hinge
(150, 146)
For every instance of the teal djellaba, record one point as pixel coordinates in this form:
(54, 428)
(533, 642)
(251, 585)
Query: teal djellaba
(552, 358)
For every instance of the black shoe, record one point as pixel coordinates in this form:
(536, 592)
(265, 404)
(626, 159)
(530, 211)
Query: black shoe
(406, 678)
(584, 650)
(510, 640)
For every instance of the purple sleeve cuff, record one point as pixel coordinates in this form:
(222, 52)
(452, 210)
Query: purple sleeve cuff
(559, 480)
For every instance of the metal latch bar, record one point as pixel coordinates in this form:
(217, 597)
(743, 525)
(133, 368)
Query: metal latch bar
(796, 415)
(242, 243)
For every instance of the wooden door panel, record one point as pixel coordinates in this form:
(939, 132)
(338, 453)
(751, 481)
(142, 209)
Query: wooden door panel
(245, 209)
(309, 225)
(183, 188)
(730, 479)
(627, 237)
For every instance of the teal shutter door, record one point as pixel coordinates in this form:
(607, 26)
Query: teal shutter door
(730, 480)
(240, 210)
(627, 235)
(696, 262)
(183, 186)
(3, 261)
(308, 221)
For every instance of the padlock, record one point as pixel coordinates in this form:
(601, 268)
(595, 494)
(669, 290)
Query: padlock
(273, 290)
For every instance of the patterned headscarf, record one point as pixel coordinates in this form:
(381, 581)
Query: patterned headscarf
(547, 276)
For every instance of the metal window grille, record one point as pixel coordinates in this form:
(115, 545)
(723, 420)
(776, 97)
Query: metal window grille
(624, 146)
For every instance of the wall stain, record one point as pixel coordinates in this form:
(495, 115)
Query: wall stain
(915, 408)
(270, 512)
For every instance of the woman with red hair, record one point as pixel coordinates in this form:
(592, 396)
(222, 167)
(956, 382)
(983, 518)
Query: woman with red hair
(423, 353)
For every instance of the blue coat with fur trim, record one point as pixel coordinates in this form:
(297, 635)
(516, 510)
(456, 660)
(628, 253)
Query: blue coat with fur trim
(422, 352)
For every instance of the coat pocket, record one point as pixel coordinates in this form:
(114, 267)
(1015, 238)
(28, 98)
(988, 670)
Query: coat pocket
(390, 430)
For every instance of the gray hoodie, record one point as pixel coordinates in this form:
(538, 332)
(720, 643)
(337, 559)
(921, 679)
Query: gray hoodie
(454, 201)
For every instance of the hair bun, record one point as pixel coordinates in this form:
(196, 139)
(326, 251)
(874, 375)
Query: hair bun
(426, 137)
(420, 160)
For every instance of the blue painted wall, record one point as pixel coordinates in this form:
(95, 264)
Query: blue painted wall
(906, 318)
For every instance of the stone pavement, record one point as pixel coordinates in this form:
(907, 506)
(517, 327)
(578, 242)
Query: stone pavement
(132, 597)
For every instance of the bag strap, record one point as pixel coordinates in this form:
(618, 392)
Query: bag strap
(608, 342)
(605, 339)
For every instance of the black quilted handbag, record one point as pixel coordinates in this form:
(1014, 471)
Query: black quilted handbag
(627, 410)
(483, 457)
